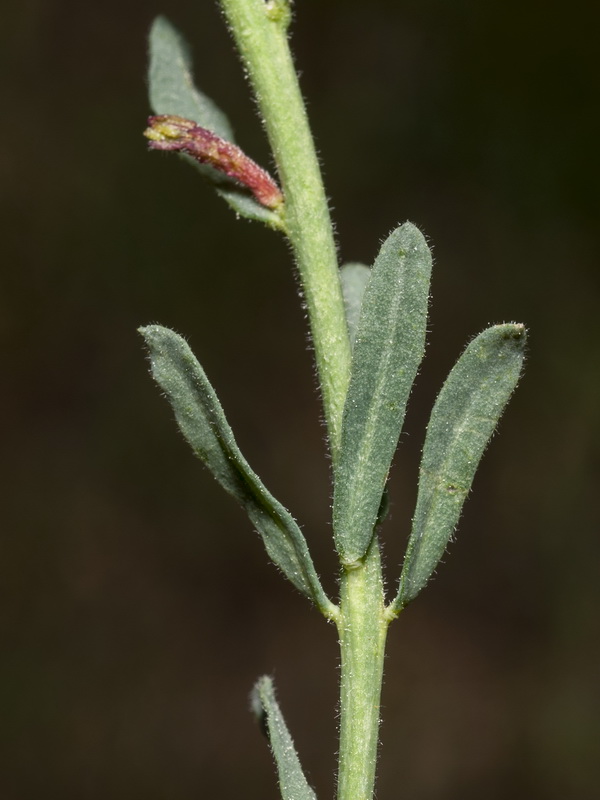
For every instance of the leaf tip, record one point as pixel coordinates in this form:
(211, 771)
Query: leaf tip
(257, 704)
(151, 333)
(160, 21)
(510, 336)
(412, 234)
(517, 331)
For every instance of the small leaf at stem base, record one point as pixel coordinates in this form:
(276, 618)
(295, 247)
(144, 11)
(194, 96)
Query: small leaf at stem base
(292, 783)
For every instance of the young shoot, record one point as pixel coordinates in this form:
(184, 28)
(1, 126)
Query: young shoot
(368, 326)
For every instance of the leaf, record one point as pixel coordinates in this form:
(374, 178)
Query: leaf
(462, 422)
(172, 91)
(246, 206)
(292, 783)
(354, 278)
(203, 424)
(389, 346)
(171, 85)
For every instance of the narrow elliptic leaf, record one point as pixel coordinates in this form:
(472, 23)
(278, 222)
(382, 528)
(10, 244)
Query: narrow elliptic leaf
(171, 85)
(292, 783)
(389, 346)
(172, 91)
(354, 278)
(202, 422)
(462, 422)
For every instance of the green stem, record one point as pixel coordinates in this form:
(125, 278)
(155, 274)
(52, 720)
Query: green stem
(260, 32)
(362, 628)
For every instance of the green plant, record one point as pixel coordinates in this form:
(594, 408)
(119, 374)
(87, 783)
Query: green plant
(368, 328)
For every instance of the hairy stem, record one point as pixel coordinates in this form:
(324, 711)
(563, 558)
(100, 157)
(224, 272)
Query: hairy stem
(260, 32)
(362, 629)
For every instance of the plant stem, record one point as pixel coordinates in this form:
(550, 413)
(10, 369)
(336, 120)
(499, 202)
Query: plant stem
(259, 29)
(362, 629)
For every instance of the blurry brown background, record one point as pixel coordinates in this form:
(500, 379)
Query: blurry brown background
(136, 605)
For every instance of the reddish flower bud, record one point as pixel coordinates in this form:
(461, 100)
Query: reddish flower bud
(169, 132)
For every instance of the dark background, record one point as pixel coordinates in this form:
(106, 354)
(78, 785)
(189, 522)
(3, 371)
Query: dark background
(136, 605)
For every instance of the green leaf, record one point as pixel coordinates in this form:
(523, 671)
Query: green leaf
(292, 783)
(171, 85)
(203, 424)
(172, 91)
(389, 346)
(354, 278)
(244, 204)
(462, 422)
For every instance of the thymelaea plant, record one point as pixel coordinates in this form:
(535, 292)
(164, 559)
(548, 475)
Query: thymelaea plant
(368, 327)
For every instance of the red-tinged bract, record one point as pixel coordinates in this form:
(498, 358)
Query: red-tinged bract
(170, 132)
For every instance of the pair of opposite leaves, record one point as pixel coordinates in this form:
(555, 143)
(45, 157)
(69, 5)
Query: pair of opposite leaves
(388, 347)
(386, 312)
